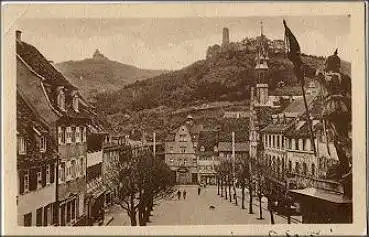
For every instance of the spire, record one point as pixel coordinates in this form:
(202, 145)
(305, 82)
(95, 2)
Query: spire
(261, 28)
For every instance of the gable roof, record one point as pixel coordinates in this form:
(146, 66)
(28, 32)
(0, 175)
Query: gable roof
(297, 107)
(30, 87)
(238, 146)
(40, 65)
(240, 126)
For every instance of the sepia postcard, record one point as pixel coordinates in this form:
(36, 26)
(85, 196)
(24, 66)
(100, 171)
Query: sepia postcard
(204, 118)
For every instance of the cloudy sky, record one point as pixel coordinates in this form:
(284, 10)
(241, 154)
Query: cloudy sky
(155, 43)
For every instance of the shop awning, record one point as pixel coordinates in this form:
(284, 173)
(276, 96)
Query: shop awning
(320, 194)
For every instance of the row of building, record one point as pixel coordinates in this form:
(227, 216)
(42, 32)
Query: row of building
(64, 150)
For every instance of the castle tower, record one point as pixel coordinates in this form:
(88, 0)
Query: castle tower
(261, 69)
(225, 36)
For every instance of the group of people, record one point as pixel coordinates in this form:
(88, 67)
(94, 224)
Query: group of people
(184, 193)
(179, 194)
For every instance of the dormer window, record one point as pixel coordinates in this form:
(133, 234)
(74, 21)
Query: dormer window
(61, 99)
(75, 101)
(43, 144)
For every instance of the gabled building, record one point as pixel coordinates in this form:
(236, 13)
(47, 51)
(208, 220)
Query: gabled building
(180, 148)
(36, 167)
(58, 103)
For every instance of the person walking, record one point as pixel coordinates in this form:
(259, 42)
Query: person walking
(198, 190)
(179, 195)
(184, 194)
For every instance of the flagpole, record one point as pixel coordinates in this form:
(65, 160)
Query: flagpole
(310, 124)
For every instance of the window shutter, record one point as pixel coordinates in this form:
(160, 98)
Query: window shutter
(52, 172)
(43, 175)
(21, 182)
(33, 180)
(60, 135)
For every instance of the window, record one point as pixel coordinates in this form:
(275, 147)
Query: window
(293, 145)
(47, 174)
(74, 210)
(73, 135)
(78, 135)
(48, 215)
(171, 161)
(277, 141)
(43, 144)
(81, 133)
(290, 166)
(39, 179)
(68, 211)
(304, 166)
(61, 135)
(75, 102)
(297, 167)
(68, 134)
(26, 181)
(28, 219)
(273, 142)
(171, 149)
(61, 99)
(182, 138)
(303, 145)
(313, 169)
(185, 162)
(39, 217)
(202, 148)
(84, 134)
(194, 161)
(183, 149)
(62, 172)
(282, 143)
(21, 145)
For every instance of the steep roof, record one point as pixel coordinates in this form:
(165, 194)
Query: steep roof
(264, 115)
(240, 126)
(302, 131)
(277, 127)
(41, 65)
(30, 87)
(297, 107)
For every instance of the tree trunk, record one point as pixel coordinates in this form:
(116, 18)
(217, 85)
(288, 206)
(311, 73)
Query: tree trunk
(221, 187)
(235, 194)
(225, 188)
(243, 195)
(229, 189)
(260, 209)
(250, 203)
(218, 183)
(133, 219)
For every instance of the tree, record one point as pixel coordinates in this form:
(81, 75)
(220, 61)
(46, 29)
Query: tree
(141, 180)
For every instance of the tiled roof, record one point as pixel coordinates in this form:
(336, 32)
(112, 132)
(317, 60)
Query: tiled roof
(40, 65)
(240, 126)
(30, 87)
(278, 127)
(297, 107)
(264, 115)
(303, 131)
(239, 146)
(207, 139)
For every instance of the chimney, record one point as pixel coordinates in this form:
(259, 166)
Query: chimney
(18, 35)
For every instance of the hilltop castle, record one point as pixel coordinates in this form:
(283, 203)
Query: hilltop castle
(98, 56)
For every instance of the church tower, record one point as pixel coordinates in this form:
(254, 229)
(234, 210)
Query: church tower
(261, 70)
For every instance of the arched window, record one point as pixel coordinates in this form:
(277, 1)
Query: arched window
(304, 168)
(313, 169)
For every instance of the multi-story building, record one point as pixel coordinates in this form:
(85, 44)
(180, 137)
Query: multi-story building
(59, 103)
(95, 198)
(36, 166)
(180, 150)
(207, 156)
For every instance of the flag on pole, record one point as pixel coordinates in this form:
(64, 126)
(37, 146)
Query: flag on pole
(293, 51)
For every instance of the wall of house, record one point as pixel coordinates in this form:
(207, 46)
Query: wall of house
(31, 201)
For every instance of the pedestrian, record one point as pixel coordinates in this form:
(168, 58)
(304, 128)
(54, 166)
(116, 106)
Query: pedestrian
(198, 190)
(184, 194)
(179, 195)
